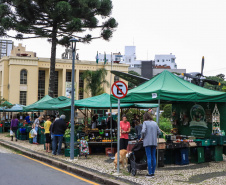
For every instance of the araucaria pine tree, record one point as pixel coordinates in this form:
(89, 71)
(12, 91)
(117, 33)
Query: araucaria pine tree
(58, 21)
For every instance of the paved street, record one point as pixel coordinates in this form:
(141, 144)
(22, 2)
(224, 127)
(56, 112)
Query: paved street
(17, 170)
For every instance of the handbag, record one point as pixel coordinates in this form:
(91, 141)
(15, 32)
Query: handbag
(33, 132)
(11, 133)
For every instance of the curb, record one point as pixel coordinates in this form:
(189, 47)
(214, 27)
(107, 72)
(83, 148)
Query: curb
(99, 178)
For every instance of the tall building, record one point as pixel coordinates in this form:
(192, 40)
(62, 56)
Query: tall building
(24, 78)
(5, 47)
(166, 60)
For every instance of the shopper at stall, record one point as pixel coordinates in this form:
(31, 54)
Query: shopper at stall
(135, 119)
(27, 118)
(94, 122)
(58, 130)
(138, 129)
(51, 127)
(47, 133)
(124, 132)
(109, 120)
(14, 126)
(35, 126)
(149, 134)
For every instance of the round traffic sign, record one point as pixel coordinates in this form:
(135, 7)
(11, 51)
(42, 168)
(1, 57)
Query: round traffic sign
(119, 89)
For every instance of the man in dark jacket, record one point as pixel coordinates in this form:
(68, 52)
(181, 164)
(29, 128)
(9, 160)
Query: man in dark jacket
(58, 130)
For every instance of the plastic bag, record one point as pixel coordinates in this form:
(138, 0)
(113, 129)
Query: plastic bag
(11, 133)
(33, 133)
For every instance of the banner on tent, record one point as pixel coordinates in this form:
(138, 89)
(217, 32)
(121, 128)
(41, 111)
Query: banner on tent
(68, 90)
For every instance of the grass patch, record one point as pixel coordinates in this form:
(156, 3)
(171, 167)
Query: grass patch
(8, 135)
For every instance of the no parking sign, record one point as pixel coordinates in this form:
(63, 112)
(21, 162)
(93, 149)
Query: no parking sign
(119, 89)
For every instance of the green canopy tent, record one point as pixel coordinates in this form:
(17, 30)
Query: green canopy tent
(102, 102)
(51, 103)
(6, 104)
(167, 87)
(32, 107)
(14, 108)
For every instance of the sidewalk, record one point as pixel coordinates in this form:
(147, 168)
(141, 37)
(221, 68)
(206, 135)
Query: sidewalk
(100, 168)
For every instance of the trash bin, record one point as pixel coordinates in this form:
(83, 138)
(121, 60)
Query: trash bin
(182, 156)
(207, 153)
(197, 155)
(169, 157)
(160, 158)
(217, 153)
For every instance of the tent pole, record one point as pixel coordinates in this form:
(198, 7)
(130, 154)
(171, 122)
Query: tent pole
(158, 118)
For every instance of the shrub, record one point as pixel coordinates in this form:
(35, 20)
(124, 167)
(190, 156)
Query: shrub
(167, 111)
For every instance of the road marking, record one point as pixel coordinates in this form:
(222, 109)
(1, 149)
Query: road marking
(63, 171)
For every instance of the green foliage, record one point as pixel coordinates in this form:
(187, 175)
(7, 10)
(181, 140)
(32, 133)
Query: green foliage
(95, 81)
(218, 78)
(167, 111)
(131, 85)
(58, 21)
(40, 18)
(131, 112)
(165, 124)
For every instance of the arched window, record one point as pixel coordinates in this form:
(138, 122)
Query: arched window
(23, 76)
(116, 78)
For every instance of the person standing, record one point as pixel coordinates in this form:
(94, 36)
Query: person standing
(149, 134)
(58, 130)
(124, 132)
(14, 126)
(35, 126)
(28, 119)
(47, 133)
(138, 129)
(94, 122)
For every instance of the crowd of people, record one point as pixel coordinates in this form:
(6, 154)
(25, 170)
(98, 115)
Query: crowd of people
(54, 130)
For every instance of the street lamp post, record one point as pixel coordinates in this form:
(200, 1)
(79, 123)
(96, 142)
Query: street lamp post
(73, 44)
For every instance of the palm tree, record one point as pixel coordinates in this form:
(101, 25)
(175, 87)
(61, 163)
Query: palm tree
(95, 81)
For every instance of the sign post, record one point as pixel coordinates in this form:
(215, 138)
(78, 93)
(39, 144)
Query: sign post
(119, 90)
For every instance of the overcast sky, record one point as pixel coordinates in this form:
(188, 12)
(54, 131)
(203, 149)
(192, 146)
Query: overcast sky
(189, 29)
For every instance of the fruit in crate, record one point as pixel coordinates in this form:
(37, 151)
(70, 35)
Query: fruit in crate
(78, 140)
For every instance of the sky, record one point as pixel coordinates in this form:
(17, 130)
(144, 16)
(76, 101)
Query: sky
(189, 29)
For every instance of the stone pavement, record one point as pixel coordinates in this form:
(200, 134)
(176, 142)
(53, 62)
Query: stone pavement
(206, 173)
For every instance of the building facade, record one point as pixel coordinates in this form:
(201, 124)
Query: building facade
(166, 60)
(24, 79)
(6, 47)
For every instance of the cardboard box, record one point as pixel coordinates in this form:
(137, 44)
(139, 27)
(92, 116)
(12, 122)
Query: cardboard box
(192, 144)
(161, 146)
(161, 140)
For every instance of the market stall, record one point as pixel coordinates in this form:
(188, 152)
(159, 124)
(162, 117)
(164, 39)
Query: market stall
(195, 116)
(5, 123)
(102, 135)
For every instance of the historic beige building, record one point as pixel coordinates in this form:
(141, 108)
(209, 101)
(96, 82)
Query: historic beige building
(24, 78)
